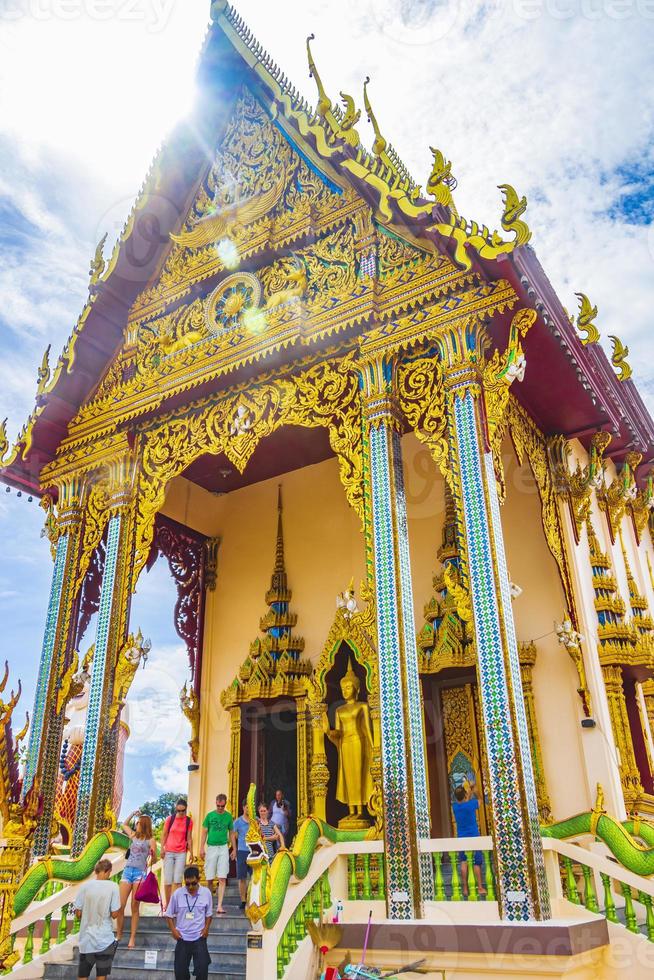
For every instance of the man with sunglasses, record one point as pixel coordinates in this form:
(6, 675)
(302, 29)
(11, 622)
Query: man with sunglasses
(176, 843)
(218, 844)
(189, 915)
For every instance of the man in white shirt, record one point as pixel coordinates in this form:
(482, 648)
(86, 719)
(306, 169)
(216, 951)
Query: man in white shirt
(97, 903)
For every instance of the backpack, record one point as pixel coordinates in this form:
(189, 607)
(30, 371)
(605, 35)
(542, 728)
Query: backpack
(169, 822)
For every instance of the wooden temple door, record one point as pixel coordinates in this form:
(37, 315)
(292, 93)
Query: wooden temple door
(454, 748)
(268, 753)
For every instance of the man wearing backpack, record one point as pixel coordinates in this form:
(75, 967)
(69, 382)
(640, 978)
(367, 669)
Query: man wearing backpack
(176, 842)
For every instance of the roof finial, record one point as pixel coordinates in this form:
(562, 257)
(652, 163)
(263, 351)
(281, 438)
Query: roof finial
(618, 358)
(585, 325)
(380, 143)
(324, 105)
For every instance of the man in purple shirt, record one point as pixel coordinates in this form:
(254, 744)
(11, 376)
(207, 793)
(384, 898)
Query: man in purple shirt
(189, 917)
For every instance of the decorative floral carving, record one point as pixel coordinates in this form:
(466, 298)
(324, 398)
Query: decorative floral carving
(325, 394)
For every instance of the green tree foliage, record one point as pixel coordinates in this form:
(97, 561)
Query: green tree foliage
(160, 808)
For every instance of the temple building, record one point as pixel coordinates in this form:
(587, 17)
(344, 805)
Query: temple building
(404, 496)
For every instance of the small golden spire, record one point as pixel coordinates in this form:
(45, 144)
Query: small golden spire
(380, 143)
(279, 591)
(279, 547)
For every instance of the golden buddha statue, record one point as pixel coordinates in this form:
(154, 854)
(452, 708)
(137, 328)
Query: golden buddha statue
(353, 738)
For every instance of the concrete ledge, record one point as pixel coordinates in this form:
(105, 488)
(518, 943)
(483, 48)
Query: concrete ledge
(504, 939)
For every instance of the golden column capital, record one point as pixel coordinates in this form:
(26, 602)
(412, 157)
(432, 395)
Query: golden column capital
(378, 372)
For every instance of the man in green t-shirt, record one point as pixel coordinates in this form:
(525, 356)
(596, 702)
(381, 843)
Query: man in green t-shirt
(217, 836)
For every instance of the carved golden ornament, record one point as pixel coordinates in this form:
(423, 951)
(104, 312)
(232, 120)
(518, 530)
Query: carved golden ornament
(98, 265)
(211, 546)
(134, 652)
(326, 394)
(577, 487)
(632, 787)
(230, 214)
(43, 374)
(109, 820)
(284, 281)
(441, 181)
(96, 517)
(380, 143)
(67, 686)
(642, 507)
(620, 494)
(190, 704)
(461, 596)
(585, 318)
(421, 396)
(51, 527)
(501, 371)
(231, 299)
(529, 441)
(264, 676)
(349, 120)
(618, 358)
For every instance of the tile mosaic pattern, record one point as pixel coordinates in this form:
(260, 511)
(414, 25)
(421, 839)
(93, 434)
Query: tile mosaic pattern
(511, 846)
(98, 672)
(535, 847)
(45, 665)
(412, 679)
(397, 828)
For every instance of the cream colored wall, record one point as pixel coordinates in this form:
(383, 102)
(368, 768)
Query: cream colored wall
(324, 549)
(558, 708)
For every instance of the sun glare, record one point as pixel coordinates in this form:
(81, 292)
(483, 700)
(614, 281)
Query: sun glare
(62, 87)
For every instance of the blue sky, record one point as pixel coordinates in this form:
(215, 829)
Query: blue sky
(552, 96)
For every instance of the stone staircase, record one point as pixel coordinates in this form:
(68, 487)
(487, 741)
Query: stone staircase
(227, 946)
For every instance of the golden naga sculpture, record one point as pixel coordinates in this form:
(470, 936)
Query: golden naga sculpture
(43, 374)
(618, 358)
(98, 264)
(134, 652)
(503, 369)
(354, 740)
(349, 120)
(190, 705)
(441, 181)
(514, 208)
(4, 441)
(585, 325)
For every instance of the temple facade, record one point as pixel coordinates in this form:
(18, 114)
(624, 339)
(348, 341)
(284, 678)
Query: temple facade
(403, 494)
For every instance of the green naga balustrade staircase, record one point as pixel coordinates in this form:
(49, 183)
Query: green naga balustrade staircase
(631, 843)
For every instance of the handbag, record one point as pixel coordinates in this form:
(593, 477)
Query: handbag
(148, 890)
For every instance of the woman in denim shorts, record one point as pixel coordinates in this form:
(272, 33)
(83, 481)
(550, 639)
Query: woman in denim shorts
(142, 848)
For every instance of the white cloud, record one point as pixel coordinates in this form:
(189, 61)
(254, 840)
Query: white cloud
(156, 722)
(171, 775)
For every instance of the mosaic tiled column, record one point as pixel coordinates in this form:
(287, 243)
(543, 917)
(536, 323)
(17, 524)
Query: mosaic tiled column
(41, 767)
(522, 887)
(98, 762)
(409, 880)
